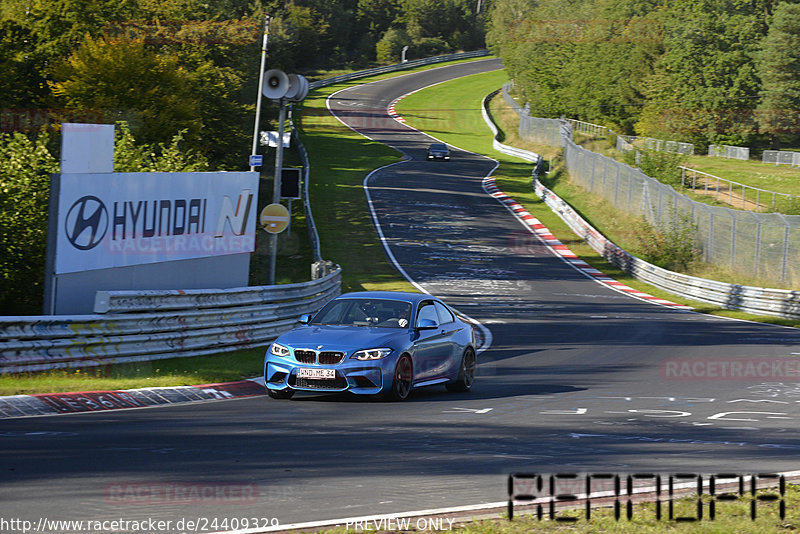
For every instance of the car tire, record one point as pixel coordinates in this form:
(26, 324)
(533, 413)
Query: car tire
(280, 393)
(466, 373)
(402, 379)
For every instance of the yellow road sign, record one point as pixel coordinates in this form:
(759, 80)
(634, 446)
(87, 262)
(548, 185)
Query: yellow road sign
(274, 218)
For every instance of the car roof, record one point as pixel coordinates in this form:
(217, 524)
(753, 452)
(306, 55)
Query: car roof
(438, 145)
(389, 295)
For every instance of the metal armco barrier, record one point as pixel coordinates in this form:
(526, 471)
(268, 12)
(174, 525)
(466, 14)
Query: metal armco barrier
(186, 323)
(531, 157)
(757, 300)
(397, 66)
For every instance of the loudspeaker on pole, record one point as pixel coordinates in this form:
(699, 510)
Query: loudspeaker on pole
(276, 84)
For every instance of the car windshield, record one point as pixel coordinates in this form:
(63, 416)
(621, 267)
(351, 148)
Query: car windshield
(438, 147)
(365, 312)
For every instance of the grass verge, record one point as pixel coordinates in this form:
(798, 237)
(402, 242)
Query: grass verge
(451, 112)
(340, 159)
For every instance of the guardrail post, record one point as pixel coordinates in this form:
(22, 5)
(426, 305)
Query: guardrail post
(321, 269)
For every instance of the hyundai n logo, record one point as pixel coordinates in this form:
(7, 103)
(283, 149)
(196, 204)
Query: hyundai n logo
(87, 222)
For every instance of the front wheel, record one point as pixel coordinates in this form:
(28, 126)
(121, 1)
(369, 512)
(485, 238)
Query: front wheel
(280, 393)
(466, 374)
(402, 379)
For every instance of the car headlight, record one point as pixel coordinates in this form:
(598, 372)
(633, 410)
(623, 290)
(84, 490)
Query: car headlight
(278, 350)
(371, 354)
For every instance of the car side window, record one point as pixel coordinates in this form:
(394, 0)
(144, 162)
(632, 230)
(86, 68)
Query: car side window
(445, 316)
(427, 311)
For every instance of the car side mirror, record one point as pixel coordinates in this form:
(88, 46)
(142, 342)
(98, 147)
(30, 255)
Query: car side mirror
(427, 324)
(305, 319)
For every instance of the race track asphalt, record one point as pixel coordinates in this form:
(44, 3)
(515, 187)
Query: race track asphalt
(574, 381)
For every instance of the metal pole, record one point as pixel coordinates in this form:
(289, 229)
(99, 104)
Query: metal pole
(260, 85)
(289, 226)
(276, 190)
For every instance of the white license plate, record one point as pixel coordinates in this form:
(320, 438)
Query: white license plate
(321, 374)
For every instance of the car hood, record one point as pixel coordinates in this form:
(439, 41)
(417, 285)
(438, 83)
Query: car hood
(343, 338)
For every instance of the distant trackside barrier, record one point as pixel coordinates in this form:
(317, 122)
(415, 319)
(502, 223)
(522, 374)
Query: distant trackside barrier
(397, 66)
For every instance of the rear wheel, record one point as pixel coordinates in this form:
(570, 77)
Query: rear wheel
(402, 379)
(280, 393)
(466, 375)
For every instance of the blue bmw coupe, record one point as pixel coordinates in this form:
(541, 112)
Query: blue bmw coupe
(373, 343)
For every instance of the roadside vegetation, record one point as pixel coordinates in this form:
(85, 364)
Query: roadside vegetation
(704, 72)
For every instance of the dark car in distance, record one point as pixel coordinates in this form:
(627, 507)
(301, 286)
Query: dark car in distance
(438, 151)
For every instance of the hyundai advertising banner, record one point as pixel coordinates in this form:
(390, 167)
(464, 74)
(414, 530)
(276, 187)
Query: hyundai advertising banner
(123, 219)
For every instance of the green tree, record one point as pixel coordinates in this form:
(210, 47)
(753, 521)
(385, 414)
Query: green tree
(130, 156)
(391, 45)
(25, 168)
(704, 86)
(130, 82)
(779, 69)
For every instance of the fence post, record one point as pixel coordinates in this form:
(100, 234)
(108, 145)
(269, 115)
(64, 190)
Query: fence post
(733, 238)
(710, 236)
(785, 265)
(757, 254)
(630, 184)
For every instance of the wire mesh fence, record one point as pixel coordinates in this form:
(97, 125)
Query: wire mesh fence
(738, 195)
(762, 245)
(781, 157)
(730, 152)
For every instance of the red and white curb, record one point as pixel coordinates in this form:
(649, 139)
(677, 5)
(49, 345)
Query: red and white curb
(392, 108)
(563, 252)
(393, 113)
(102, 401)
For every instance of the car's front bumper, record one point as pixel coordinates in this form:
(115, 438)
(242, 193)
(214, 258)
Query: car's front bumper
(360, 377)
